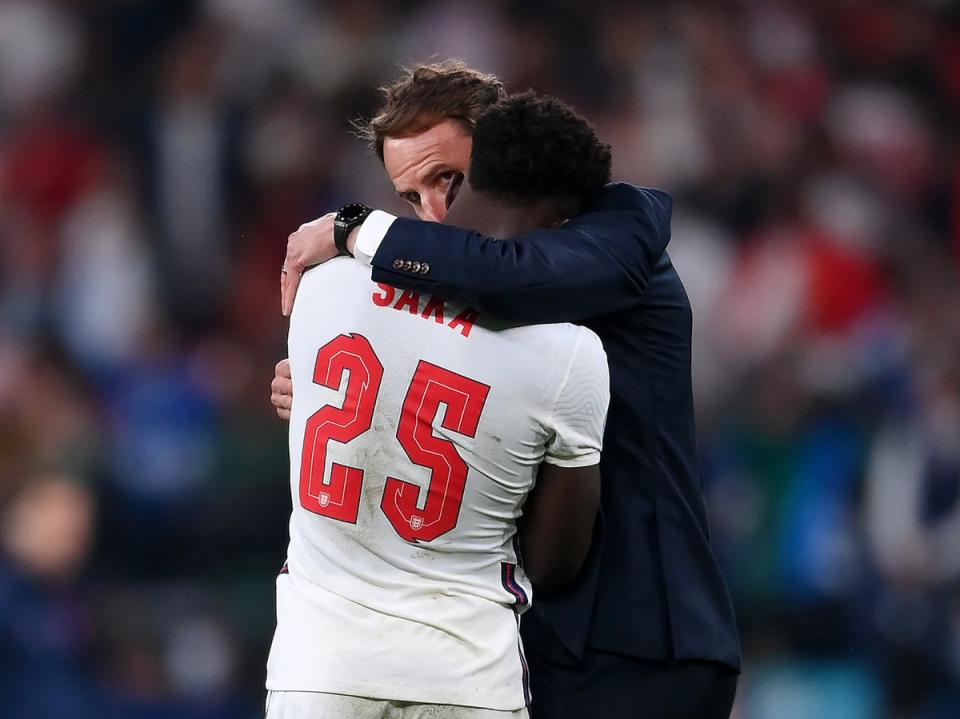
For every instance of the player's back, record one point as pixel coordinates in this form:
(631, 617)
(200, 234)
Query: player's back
(415, 436)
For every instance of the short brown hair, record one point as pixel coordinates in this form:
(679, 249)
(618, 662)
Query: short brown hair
(426, 94)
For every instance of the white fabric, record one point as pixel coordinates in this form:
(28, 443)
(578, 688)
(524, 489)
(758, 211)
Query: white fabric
(580, 411)
(370, 235)
(315, 705)
(366, 613)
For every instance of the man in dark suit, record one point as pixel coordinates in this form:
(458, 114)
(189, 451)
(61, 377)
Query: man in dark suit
(647, 628)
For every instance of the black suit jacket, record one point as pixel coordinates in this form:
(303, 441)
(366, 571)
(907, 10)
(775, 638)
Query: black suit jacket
(651, 586)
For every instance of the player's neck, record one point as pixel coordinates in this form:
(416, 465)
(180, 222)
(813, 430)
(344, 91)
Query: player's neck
(510, 221)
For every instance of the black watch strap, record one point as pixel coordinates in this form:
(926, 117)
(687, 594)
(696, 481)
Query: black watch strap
(347, 218)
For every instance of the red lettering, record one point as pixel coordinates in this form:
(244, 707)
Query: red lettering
(464, 321)
(435, 308)
(339, 495)
(386, 299)
(409, 301)
(463, 399)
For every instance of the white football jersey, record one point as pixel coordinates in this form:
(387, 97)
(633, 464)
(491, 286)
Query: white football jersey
(416, 432)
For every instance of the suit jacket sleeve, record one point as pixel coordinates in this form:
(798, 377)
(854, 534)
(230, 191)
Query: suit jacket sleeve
(596, 264)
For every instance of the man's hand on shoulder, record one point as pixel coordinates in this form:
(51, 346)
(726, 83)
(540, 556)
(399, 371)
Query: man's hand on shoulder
(312, 244)
(281, 389)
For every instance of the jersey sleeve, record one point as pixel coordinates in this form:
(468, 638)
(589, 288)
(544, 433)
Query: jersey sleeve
(579, 414)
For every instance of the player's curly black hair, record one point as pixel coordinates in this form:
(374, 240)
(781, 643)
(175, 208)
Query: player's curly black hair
(532, 147)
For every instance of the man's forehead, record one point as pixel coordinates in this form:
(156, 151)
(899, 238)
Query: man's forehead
(445, 142)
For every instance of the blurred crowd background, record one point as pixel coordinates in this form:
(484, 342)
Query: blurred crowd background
(154, 156)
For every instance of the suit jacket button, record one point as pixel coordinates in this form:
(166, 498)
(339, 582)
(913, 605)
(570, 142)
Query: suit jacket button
(397, 264)
(424, 268)
(415, 267)
(407, 264)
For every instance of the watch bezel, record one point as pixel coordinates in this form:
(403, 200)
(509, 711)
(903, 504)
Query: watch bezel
(348, 217)
(352, 213)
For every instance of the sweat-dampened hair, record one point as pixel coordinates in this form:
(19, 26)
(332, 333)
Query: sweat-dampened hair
(529, 148)
(429, 93)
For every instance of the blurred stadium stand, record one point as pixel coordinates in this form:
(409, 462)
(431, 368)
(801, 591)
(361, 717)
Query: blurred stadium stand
(154, 155)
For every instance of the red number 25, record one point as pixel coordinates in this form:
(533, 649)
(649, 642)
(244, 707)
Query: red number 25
(338, 496)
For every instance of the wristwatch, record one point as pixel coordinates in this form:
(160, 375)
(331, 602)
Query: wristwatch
(347, 218)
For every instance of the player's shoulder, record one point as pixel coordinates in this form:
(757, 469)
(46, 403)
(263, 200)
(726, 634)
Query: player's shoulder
(588, 356)
(330, 270)
(560, 340)
(335, 277)
(589, 345)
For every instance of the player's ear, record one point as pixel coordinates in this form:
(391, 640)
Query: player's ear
(467, 210)
(454, 188)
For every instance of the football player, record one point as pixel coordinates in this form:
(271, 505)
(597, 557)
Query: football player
(422, 434)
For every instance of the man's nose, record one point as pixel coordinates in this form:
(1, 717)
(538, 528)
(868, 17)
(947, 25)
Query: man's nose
(434, 207)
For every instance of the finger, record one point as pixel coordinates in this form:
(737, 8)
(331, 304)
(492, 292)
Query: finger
(288, 290)
(278, 390)
(283, 288)
(281, 400)
(283, 414)
(283, 368)
(282, 385)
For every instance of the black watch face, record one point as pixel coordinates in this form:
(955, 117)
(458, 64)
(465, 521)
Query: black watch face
(351, 213)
